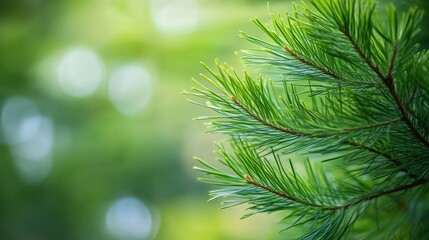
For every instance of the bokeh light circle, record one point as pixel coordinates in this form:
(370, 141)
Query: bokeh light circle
(19, 120)
(30, 137)
(80, 72)
(130, 88)
(175, 16)
(129, 218)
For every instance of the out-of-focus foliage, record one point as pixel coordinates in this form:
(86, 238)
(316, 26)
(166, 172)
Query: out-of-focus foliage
(94, 130)
(403, 5)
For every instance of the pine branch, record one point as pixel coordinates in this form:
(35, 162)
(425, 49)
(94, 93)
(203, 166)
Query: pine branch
(346, 142)
(292, 132)
(391, 87)
(300, 133)
(379, 194)
(385, 123)
(374, 68)
(266, 123)
(281, 61)
(312, 65)
(250, 181)
(388, 81)
(389, 157)
(356, 201)
(368, 87)
(324, 70)
(307, 134)
(392, 61)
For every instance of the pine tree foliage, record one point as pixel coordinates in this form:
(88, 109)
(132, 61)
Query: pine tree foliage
(336, 135)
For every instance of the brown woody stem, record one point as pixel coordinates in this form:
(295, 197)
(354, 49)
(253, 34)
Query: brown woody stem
(356, 201)
(388, 81)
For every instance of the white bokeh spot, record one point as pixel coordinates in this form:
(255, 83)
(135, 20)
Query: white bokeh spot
(30, 137)
(80, 72)
(175, 16)
(18, 120)
(129, 218)
(130, 88)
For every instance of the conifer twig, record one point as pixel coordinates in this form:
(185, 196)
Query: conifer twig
(342, 42)
(374, 68)
(392, 61)
(307, 134)
(379, 194)
(346, 142)
(324, 70)
(250, 181)
(266, 123)
(311, 64)
(366, 197)
(388, 122)
(388, 81)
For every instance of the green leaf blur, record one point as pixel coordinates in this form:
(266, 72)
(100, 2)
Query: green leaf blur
(81, 152)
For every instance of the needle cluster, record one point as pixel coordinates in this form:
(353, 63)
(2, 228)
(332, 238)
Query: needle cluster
(334, 133)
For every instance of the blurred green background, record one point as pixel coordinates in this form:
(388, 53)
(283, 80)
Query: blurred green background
(96, 140)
